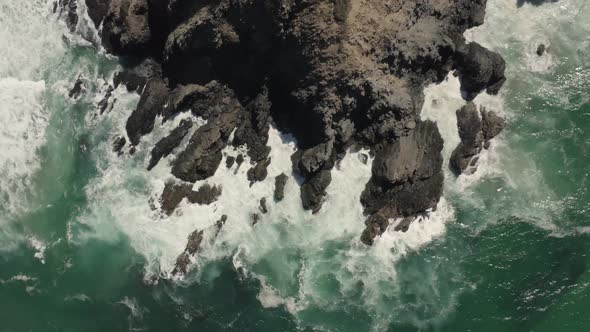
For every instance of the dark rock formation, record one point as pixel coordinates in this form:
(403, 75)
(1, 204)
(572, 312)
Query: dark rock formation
(192, 247)
(229, 161)
(475, 134)
(77, 89)
(520, 3)
(151, 103)
(166, 145)
(407, 178)
(479, 70)
(541, 49)
(280, 182)
(313, 190)
(173, 194)
(107, 102)
(219, 224)
(205, 195)
(470, 133)
(68, 10)
(263, 207)
(333, 73)
(118, 144)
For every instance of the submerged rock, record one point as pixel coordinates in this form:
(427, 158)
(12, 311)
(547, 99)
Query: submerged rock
(541, 49)
(118, 144)
(77, 89)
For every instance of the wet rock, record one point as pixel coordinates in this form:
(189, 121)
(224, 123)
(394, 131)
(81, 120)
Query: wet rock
(280, 182)
(219, 224)
(364, 158)
(404, 224)
(126, 29)
(541, 49)
(263, 207)
(376, 225)
(255, 218)
(229, 161)
(470, 133)
(69, 12)
(253, 127)
(310, 161)
(131, 80)
(192, 247)
(77, 89)
(407, 178)
(132, 150)
(151, 103)
(166, 145)
(203, 154)
(480, 69)
(173, 194)
(492, 125)
(134, 76)
(259, 172)
(313, 191)
(205, 195)
(97, 10)
(118, 144)
(106, 103)
(475, 134)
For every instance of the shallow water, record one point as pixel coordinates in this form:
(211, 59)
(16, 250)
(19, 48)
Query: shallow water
(81, 248)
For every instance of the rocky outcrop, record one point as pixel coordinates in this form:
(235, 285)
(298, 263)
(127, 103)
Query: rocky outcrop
(332, 73)
(166, 145)
(173, 194)
(407, 179)
(192, 247)
(205, 195)
(476, 129)
(470, 132)
(480, 69)
(280, 182)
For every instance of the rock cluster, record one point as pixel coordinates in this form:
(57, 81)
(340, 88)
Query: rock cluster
(333, 73)
(476, 129)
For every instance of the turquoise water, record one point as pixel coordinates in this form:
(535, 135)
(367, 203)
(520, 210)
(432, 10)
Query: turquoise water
(81, 249)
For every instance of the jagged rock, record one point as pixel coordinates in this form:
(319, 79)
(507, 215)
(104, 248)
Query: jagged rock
(229, 161)
(404, 224)
(541, 49)
(376, 225)
(97, 10)
(313, 191)
(480, 69)
(280, 182)
(132, 150)
(263, 207)
(259, 172)
(118, 144)
(151, 103)
(492, 125)
(203, 154)
(253, 127)
(475, 134)
(332, 73)
(173, 194)
(407, 176)
(105, 104)
(364, 158)
(166, 145)
(77, 89)
(69, 10)
(206, 194)
(470, 132)
(310, 161)
(135, 77)
(255, 218)
(126, 29)
(219, 224)
(520, 3)
(205, 101)
(192, 247)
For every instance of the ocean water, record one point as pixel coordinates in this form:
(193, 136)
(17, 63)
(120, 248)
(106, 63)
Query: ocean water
(82, 249)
